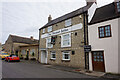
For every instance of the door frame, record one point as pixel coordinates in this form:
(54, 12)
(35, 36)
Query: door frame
(93, 61)
(44, 52)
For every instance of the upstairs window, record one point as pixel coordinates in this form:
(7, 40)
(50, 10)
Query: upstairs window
(66, 40)
(48, 43)
(67, 22)
(50, 29)
(43, 31)
(104, 31)
(118, 6)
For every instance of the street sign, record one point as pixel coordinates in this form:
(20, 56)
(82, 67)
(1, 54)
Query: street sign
(87, 48)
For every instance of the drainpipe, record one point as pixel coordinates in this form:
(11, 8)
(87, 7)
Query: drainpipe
(86, 54)
(87, 41)
(84, 38)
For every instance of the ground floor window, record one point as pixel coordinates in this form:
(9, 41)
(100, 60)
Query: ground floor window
(32, 52)
(23, 52)
(53, 55)
(66, 55)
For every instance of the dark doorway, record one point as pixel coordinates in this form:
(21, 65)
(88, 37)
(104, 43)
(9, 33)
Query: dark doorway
(98, 61)
(27, 56)
(16, 53)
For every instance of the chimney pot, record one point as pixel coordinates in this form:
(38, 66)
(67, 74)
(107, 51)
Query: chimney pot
(31, 37)
(49, 18)
(90, 2)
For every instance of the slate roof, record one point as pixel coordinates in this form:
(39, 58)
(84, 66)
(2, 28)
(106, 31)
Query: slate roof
(69, 15)
(105, 13)
(18, 39)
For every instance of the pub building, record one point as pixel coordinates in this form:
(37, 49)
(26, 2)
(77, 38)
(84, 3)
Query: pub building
(62, 40)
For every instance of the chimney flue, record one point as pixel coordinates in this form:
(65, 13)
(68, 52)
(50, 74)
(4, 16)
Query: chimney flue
(31, 37)
(49, 18)
(90, 2)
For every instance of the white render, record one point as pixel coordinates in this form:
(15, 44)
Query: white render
(109, 45)
(63, 30)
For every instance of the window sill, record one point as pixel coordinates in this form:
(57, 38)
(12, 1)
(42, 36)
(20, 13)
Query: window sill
(52, 59)
(65, 60)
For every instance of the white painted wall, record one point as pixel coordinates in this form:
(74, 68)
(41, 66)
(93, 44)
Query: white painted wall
(119, 45)
(109, 45)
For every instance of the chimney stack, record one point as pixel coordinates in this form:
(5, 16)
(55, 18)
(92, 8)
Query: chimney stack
(31, 37)
(116, 0)
(49, 18)
(90, 2)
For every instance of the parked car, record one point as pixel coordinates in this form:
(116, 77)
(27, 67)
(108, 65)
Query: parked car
(12, 58)
(3, 55)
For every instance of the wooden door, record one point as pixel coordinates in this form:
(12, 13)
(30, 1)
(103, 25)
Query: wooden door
(98, 61)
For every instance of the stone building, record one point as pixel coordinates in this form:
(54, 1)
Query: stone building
(104, 39)
(13, 43)
(29, 51)
(62, 40)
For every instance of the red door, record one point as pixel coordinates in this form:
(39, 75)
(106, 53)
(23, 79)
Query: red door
(98, 61)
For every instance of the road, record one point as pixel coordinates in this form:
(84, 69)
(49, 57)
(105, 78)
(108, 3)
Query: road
(33, 69)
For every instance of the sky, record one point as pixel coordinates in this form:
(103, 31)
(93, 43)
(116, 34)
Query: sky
(25, 17)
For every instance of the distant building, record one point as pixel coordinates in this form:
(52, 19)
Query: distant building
(62, 40)
(13, 43)
(29, 51)
(104, 38)
(0, 47)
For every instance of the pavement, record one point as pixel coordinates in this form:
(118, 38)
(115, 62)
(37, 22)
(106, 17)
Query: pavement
(83, 71)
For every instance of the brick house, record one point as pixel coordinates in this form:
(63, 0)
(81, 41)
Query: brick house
(13, 43)
(104, 39)
(61, 40)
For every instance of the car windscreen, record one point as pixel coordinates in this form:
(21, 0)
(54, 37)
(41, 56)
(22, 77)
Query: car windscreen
(4, 54)
(14, 56)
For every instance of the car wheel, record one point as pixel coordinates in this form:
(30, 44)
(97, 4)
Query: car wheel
(8, 60)
(5, 60)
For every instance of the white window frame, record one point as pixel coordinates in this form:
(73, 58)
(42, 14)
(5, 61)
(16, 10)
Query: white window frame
(48, 42)
(43, 31)
(52, 54)
(49, 29)
(63, 55)
(62, 40)
(68, 23)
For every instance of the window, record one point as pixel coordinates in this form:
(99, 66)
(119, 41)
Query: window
(53, 55)
(68, 22)
(48, 43)
(43, 30)
(50, 29)
(66, 40)
(66, 55)
(118, 6)
(32, 51)
(23, 52)
(104, 31)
